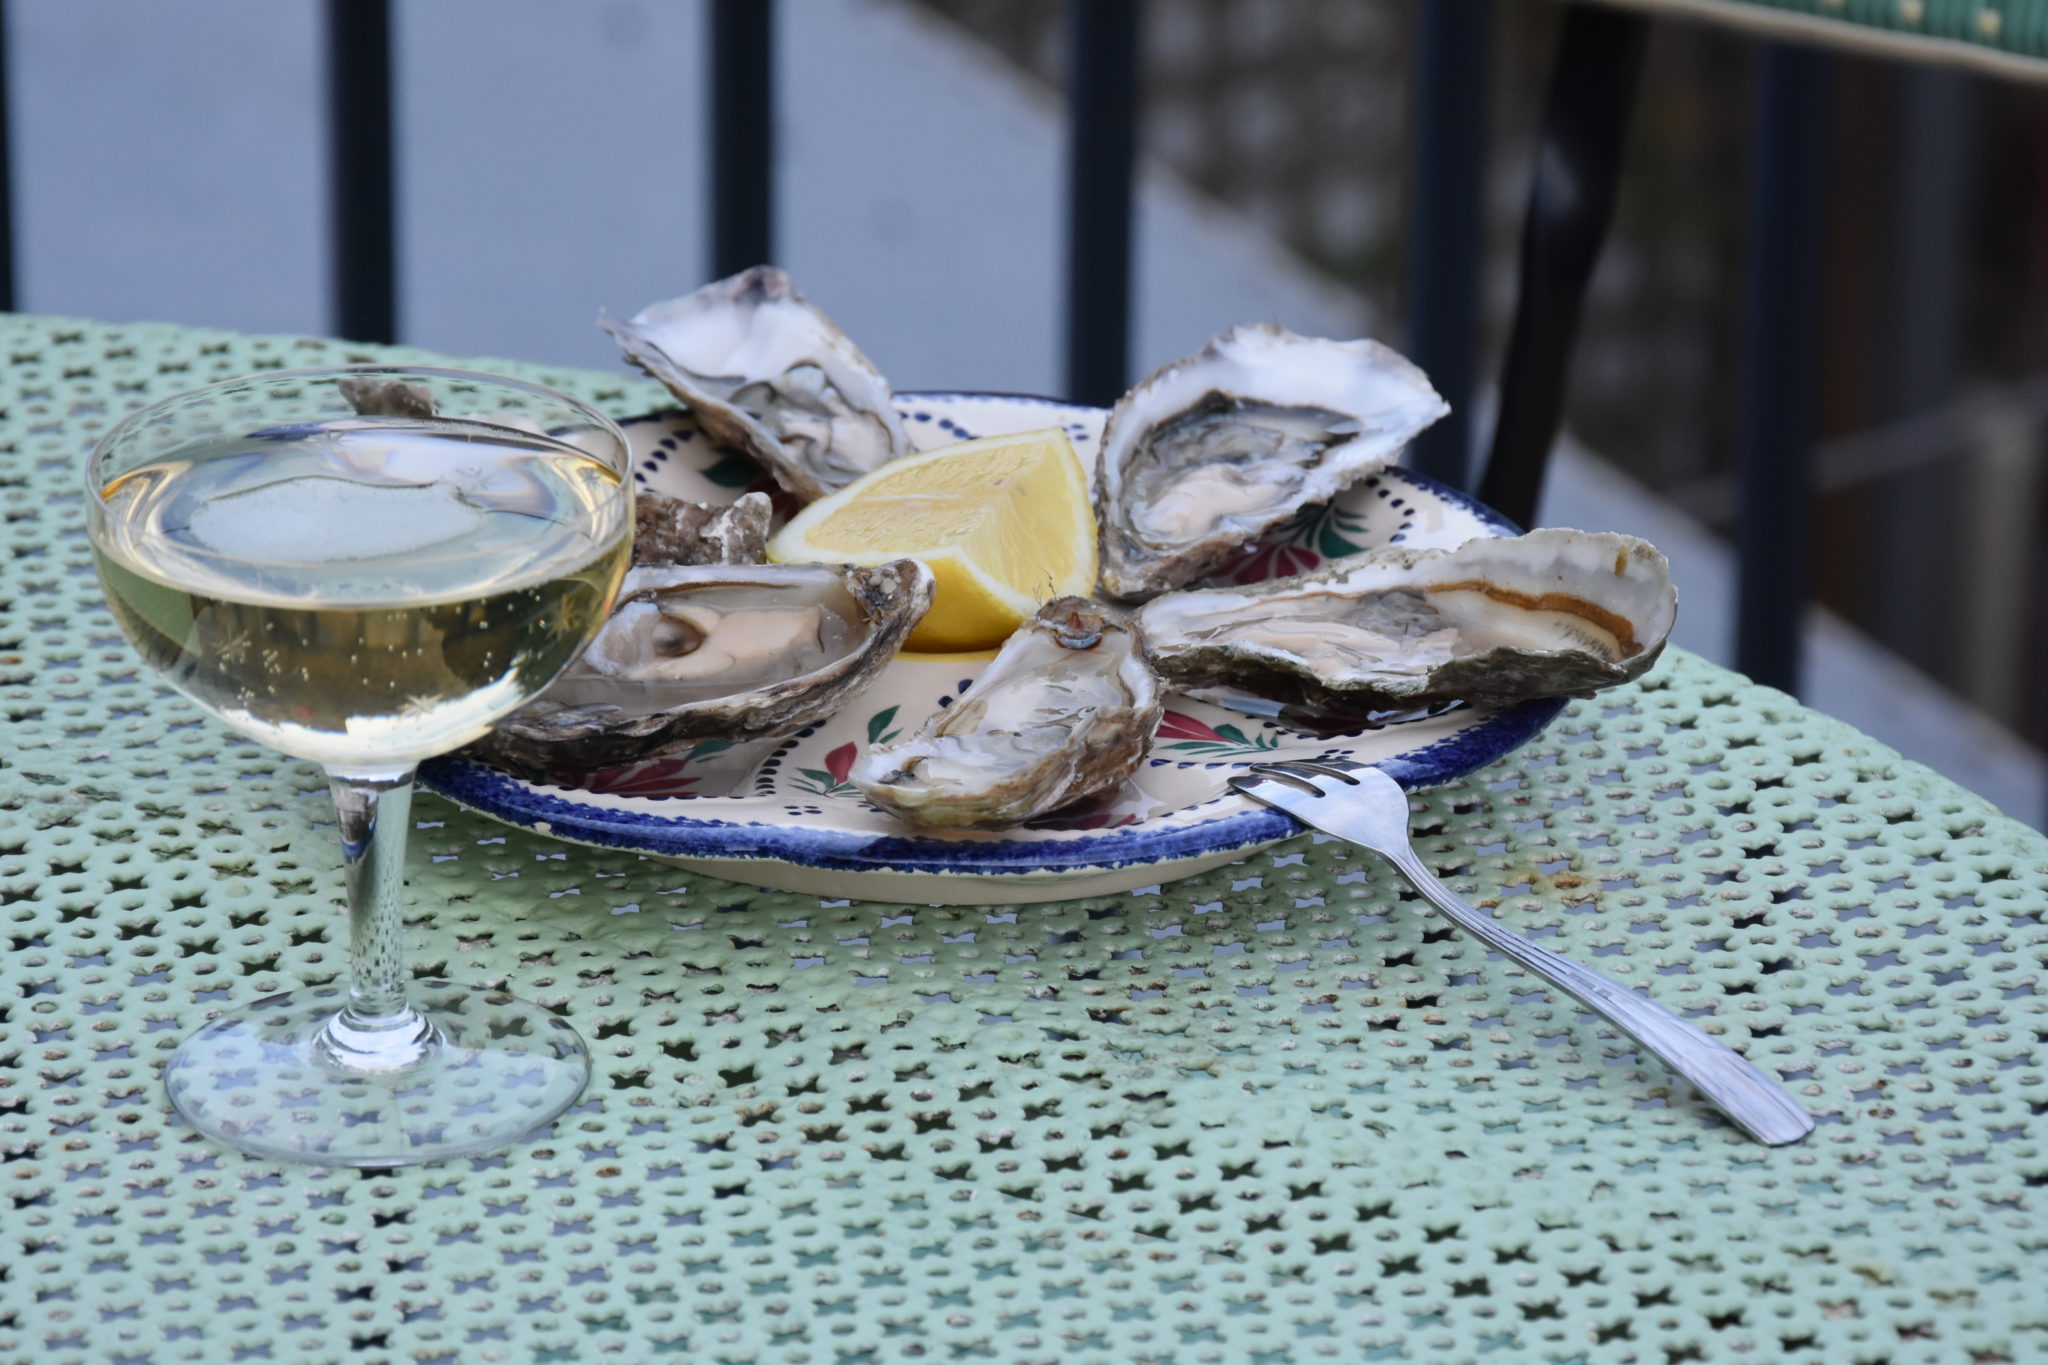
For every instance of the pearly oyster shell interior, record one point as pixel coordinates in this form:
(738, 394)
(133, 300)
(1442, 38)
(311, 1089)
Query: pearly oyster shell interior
(767, 373)
(1551, 613)
(1066, 709)
(1213, 451)
(713, 651)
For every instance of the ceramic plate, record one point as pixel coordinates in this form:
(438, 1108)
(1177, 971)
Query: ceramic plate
(782, 814)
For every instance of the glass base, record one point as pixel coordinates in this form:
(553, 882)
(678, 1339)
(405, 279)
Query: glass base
(266, 1079)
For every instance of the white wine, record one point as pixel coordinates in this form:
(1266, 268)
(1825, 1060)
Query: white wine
(364, 592)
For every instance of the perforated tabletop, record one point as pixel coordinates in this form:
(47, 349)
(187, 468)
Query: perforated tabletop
(1276, 1114)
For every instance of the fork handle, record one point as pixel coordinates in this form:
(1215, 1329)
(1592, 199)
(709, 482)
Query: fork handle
(1753, 1101)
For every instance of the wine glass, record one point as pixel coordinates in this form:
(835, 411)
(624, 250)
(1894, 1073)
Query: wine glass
(364, 567)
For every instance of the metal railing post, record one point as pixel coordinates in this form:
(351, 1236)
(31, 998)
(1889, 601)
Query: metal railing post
(1774, 451)
(1102, 143)
(742, 58)
(1447, 224)
(361, 197)
(1571, 201)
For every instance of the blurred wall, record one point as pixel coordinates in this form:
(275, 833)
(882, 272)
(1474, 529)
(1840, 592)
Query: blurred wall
(168, 161)
(172, 166)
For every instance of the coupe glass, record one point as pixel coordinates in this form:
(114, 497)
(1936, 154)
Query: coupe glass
(364, 567)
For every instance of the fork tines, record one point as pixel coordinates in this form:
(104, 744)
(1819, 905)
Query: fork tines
(1302, 773)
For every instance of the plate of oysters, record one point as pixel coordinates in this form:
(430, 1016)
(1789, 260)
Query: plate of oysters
(1270, 585)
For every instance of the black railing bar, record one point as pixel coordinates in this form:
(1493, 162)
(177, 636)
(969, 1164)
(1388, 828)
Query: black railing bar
(1774, 443)
(6, 176)
(360, 187)
(742, 61)
(1446, 233)
(1926, 438)
(1571, 202)
(1102, 143)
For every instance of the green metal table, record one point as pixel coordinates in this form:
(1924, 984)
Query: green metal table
(1279, 1113)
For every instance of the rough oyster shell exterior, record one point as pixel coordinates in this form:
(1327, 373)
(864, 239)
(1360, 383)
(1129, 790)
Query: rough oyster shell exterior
(375, 395)
(676, 531)
(799, 641)
(1499, 619)
(1065, 710)
(767, 373)
(1214, 450)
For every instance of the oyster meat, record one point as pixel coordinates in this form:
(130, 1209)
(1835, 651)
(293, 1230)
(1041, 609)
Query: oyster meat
(1499, 619)
(675, 531)
(715, 651)
(1214, 450)
(767, 373)
(1066, 709)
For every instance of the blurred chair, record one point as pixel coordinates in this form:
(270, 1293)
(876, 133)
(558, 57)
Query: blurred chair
(1571, 202)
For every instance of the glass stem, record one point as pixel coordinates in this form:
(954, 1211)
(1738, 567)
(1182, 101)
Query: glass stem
(377, 1030)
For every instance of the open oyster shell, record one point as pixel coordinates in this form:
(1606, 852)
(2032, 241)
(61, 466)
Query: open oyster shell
(1066, 709)
(1500, 619)
(1214, 450)
(767, 373)
(713, 651)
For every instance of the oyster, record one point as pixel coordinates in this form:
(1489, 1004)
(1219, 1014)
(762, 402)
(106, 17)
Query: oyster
(767, 373)
(715, 651)
(372, 396)
(674, 531)
(1499, 619)
(1214, 450)
(1066, 709)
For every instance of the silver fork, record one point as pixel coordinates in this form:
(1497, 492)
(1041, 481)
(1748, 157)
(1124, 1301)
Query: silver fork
(1369, 808)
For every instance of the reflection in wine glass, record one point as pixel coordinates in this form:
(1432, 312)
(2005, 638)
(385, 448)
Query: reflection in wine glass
(365, 567)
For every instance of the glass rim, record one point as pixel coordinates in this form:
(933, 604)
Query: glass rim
(107, 440)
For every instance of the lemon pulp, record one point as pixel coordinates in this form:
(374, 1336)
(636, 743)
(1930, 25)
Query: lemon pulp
(1005, 524)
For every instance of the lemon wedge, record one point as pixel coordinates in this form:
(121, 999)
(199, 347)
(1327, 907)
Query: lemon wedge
(1004, 523)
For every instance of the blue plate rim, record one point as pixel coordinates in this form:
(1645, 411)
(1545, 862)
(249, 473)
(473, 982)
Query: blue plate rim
(484, 789)
(683, 835)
